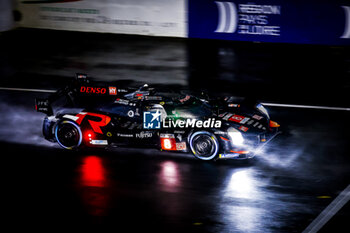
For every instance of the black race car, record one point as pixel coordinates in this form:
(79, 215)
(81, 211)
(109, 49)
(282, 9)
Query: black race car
(87, 114)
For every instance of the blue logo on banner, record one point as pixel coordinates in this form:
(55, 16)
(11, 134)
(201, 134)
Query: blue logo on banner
(151, 120)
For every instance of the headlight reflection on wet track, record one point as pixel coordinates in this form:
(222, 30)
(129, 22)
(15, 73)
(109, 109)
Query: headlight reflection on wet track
(241, 190)
(169, 177)
(241, 184)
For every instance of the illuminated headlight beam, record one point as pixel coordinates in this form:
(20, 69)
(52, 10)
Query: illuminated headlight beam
(236, 137)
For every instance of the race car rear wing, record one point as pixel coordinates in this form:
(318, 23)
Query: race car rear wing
(82, 78)
(80, 92)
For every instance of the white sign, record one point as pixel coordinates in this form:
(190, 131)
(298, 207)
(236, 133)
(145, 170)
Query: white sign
(143, 17)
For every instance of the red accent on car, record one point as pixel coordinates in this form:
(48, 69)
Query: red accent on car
(224, 138)
(240, 152)
(112, 90)
(95, 125)
(89, 135)
(168, 143)
(243, 128)
(274, 124)
(236, 118)
(93, 90)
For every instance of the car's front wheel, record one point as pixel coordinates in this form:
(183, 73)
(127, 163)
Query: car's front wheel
(204, 145)
(68, 134)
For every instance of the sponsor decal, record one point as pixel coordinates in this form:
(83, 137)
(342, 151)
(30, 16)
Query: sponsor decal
(179, 136)
(236, 118)
(93, 90)
(250, 122)
(245, 120)
(166, 135)
(153, 98)
(243, 128)
(234, 105)
(121, 101)
(256, 124)
(181, 146)
(81, 76)
(167, 142)
(227, 116)
(99, 142)
(42, 105)
(109, 134)
(112, 90)
(151, 119)
(122, 90)
(125, 135)
(131, 113)
(179, 131)
(239, 119)
(222, 114)
(187, 97)
(226, 156)
(144, 134)
(257, 117)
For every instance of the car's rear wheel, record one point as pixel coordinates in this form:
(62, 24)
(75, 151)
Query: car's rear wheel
(68, 134)
(204, 145)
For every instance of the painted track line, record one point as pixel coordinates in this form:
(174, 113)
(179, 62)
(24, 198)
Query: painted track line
(26, 89)
(266, 104)
(329, 212)
(305, 106)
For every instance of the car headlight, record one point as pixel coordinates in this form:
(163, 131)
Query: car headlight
(262, 109)
(235, 136)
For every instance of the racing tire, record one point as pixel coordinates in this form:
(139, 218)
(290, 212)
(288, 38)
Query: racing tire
(204, 145)
(68, 134)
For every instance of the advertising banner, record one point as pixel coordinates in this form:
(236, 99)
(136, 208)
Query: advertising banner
(285, 21)
(6, 15)
(143, 17)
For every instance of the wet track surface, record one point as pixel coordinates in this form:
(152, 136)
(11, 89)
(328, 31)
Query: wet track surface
(282, 190)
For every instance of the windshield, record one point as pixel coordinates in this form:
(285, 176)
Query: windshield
(190, 107)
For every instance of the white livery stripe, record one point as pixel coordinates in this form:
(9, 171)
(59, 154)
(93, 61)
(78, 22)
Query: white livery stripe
(74, 118)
